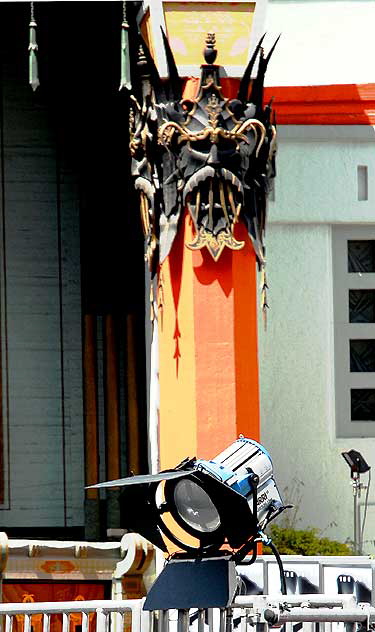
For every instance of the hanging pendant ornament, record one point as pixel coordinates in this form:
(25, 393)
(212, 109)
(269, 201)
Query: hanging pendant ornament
(125, 61)
(33, 47)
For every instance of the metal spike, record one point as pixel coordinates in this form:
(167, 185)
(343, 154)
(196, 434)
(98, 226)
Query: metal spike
(258, 83)
(152, 71)
(243, 90)
(175, 83)
(271, 51)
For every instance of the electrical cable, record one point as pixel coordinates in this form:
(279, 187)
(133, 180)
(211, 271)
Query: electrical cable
(280, 565)
(240, 558)
(366, 506)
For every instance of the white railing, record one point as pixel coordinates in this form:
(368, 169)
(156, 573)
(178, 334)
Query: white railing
(319, 574)
(246, 614)
(261, 613)
(112, 615)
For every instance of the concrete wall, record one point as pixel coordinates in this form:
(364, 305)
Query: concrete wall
(316, 188)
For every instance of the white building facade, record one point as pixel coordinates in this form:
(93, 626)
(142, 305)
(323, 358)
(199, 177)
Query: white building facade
(317, 357)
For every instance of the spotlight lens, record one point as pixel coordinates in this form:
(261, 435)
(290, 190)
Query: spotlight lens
(195, 506)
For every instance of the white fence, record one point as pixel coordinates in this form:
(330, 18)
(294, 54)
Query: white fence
(325, 594)
(115, 615)
(247, 614)
(312, 613)
(328, 575)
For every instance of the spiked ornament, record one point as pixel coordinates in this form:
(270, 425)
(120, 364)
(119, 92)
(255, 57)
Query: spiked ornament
(212, 155)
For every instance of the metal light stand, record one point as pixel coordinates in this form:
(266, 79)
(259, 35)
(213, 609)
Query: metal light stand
(357, 488)
(357, 466)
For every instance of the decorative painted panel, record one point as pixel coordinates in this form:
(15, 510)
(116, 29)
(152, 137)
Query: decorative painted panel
(188, 23)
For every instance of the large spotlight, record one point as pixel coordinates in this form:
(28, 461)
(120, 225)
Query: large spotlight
(207, 509)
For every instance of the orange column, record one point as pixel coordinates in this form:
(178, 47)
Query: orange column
(177, 354)
(209, 384)
(208, 350)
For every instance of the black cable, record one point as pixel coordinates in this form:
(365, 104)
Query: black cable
(280, 565)
(240, 558)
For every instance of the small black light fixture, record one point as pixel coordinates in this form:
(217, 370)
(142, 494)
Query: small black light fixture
(356, 463)
(213, 511)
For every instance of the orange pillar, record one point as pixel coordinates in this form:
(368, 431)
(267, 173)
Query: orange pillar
(208, 349)
(177, 354)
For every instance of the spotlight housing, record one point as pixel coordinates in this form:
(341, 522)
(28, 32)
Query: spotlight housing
(356, 462)
(223, 501)
(214, 512)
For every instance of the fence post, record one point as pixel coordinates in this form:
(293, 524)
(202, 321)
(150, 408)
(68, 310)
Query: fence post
(101, 620)
(183, 621)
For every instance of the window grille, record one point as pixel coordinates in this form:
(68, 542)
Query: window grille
(353, 251)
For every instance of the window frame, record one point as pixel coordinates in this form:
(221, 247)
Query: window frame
(344, 331)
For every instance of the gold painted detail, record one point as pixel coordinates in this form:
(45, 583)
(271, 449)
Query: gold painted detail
(213, 109)
(273, 143)
(148, 228)
(215, 245)
(28, 598)
(204, 91)
(167, 131)
(134, 130)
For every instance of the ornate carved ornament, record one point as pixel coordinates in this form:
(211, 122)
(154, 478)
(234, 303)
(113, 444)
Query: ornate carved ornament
(212, 155)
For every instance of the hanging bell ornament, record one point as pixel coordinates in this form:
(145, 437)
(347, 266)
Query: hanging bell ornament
(33, 47)
(125, 81)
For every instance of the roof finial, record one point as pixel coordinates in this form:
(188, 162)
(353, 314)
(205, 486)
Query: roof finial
(210, 52)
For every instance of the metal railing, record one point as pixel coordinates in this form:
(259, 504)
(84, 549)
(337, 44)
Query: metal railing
(246, 614)
(261, 613)
(313, 574)
(115, 615)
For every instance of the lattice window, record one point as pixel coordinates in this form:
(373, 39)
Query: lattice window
(354, 326)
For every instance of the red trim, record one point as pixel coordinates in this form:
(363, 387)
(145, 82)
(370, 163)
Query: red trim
(347, 104)
(340, 104)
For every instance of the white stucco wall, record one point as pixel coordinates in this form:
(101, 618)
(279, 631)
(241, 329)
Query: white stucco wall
(316, 188)
(317, 174)
(323, 41)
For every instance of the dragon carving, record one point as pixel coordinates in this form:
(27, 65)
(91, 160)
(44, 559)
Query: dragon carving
(212, 155)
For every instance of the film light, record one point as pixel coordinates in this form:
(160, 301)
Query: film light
(212, 511)
(226, 500)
